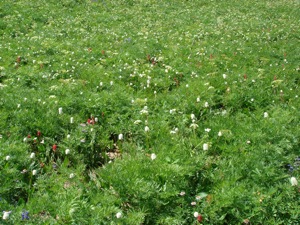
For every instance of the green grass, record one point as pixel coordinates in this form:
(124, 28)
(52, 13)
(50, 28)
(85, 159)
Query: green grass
(120, 67)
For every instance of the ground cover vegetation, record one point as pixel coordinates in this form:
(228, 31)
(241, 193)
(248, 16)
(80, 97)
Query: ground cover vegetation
(149, 112)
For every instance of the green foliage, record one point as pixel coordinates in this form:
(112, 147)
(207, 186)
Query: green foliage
(149, 112)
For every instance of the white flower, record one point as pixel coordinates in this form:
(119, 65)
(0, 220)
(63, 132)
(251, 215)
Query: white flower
(120, 137)
(224, 76)
(153, 156)
(182, 193)
(174, 131)
(220, 133)
(294, 181)
(198, 99)
(101, 83)
(71, 120)
(205, 146)
(172, 111)
(193, 117)
(67, 151)
(137, 122)
(60, 110)
(7, 158)
(266, 115)
(68, 136)
(193, 203)
(119, 215)
(206, 104)
(111, 83)
(32, 155)
(194, 125)
(6, 215)
(196, 214)
(34, 172)
(147, 129)
(144, 111)
(207, 130)
(72, 175)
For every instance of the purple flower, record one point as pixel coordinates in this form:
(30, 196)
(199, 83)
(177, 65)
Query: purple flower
(25, 215)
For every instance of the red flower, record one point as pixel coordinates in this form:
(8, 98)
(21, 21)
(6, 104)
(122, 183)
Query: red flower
(245, 76)
(28, 136)
(91, 121)
(54, 147)
(38, 133)
(199, 218)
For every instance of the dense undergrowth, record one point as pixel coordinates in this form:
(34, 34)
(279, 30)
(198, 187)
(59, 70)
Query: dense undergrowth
(149, 112)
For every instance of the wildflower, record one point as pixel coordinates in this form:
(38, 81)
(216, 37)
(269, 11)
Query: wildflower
(193, 203)
(194, 125)
(172, 111)
(266, 115)
(71, 120)
(137, 121)
(147, 129)
(34, 172)
(193, 117)
(120, 137)
(60, 111)
(220, 134)
(246, 221)
(153, 156)
(206, 105)
(32, 155)
(196, 214)
(72, 175)
(199, 218)
(25, 215)
(205, 146)
(198, 197)
(54, 147)
(224, 76)
(207, 130)
(101, 83)
(42, 141)
(24, 171)
(144, 110)
(68, 136)
(294, 181)
(182, 193)
(119, 215)
(67, 151)
(38, 133)
(7, 158)
(6, 214)
(111, 83)
(198, 99)
(248, 142)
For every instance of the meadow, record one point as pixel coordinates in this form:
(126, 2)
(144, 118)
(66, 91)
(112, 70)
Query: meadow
(149, 112)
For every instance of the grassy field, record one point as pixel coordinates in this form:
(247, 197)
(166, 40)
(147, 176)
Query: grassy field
(149, 112)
